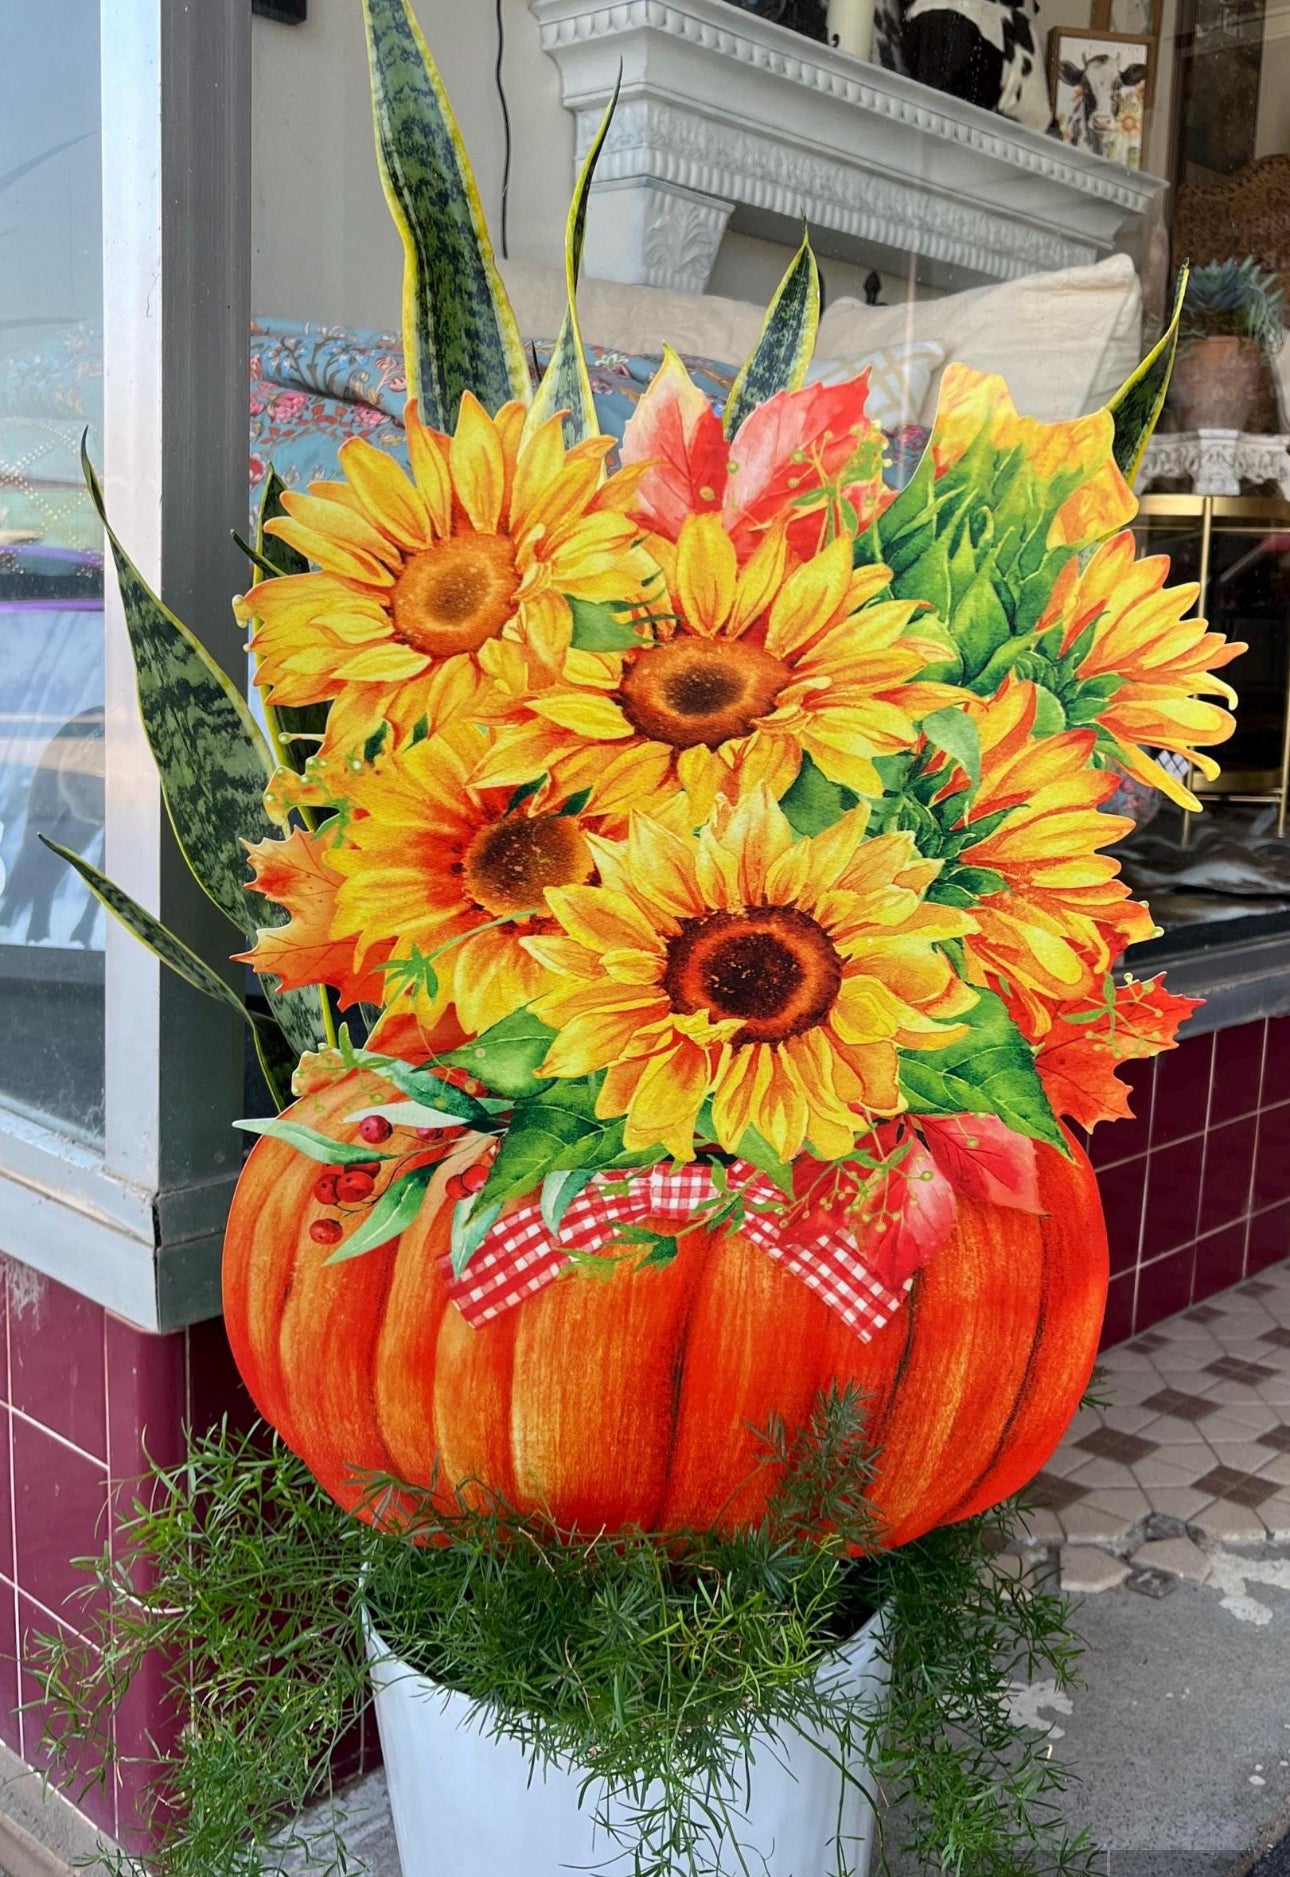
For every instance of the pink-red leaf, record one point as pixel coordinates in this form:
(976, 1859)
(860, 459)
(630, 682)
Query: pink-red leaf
(984, 1160)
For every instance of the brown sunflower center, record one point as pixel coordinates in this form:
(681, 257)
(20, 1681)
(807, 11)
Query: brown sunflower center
(455, 595)
(773, 967)
(694, 691)
(509, 865)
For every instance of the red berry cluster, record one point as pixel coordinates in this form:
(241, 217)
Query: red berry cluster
(354, 1185)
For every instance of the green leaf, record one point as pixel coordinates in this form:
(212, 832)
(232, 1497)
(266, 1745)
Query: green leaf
(599, 627)
(1137, 405)
(211, 756)
(423, 1087)
(991, 1070)
(316, 1146)
(814, 803)
(979, 622)
(397, 1208)
(459, 332)
(565, 384)
(559, 1190)
(954, 732)
(469, 1230)
(555, 1131)
(159, 939)
(507, 1057)
(758, 1152)
(928, 578)
(523, 792)
(783, 351)
(1050, 718)
(409, 1114)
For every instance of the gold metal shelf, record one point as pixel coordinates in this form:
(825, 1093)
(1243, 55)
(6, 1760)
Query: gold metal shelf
(1235, 515)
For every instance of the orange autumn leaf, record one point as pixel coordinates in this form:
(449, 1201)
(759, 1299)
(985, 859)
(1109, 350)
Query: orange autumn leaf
(295, 874)
(1078, 1058)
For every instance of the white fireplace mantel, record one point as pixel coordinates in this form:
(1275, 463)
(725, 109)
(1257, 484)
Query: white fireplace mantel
(724, 114)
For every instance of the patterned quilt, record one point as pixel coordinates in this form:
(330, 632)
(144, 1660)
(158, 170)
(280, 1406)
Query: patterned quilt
(312, 386)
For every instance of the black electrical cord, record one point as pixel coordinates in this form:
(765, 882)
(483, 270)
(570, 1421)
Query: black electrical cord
(506, 131)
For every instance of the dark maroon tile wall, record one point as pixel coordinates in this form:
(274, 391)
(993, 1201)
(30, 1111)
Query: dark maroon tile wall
(1197, 1186)
(87, 1403)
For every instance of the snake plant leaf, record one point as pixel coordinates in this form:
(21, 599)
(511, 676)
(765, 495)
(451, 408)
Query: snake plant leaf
(459, 332)
(211, 755)
(213, 762)
(783, 351)
(185, 963)
(565, 384)
(1137, 405)
(159, 939)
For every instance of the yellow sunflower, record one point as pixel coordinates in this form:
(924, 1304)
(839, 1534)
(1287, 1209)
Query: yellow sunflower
(1163, 661)
(758, 666)
(435, 872)
(1061, 914)
(423, 577)
(778, 975)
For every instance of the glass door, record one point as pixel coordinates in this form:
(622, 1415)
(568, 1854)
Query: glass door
(51, 564)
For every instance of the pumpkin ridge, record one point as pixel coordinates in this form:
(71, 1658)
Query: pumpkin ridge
(980, 1483)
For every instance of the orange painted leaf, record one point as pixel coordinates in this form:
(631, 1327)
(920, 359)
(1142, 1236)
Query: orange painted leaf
(295, 875)
(1078, 1058)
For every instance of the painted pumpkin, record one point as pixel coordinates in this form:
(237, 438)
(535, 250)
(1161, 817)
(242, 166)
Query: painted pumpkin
(630, 1400)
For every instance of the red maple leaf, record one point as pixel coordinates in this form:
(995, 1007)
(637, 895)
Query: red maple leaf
(983, 1160)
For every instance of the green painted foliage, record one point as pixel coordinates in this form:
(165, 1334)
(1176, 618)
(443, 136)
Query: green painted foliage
(458, 328)
(991, 1070)
(787, 341)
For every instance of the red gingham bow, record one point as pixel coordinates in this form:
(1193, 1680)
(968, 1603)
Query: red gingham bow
(520, 1255)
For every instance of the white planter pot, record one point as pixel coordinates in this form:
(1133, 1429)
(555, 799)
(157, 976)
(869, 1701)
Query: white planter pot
(466, 1805)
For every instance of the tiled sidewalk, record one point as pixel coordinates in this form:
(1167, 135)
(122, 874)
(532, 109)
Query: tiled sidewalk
(1196, 1428)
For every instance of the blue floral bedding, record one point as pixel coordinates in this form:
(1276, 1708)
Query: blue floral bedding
(313, 386)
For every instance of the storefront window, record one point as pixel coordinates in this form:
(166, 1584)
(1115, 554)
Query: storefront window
(51, 564)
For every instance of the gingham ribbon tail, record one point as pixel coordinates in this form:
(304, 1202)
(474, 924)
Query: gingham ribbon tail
(521, 1255)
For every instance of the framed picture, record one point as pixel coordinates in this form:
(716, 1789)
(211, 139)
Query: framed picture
(1101, 88)
(1139, 19)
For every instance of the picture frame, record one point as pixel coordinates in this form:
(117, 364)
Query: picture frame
(1101, 86)
(1138, 18)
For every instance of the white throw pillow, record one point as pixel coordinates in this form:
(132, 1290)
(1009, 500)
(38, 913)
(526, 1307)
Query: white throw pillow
(1065, 341)
(900, 377)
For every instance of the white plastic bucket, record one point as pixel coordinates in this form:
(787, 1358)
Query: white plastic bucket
(467, 1805)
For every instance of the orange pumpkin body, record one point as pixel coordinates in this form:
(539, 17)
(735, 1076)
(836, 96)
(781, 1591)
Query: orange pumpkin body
(630, 1401)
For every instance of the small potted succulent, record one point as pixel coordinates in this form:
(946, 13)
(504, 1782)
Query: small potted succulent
(688, 949)
(1233, 327)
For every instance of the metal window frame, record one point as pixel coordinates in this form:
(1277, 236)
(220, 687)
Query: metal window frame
(137, 1226)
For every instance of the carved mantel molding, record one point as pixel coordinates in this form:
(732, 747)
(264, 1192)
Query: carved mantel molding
(723, 113)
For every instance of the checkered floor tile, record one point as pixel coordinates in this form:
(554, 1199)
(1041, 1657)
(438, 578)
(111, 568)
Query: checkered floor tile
(1194, 1422)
